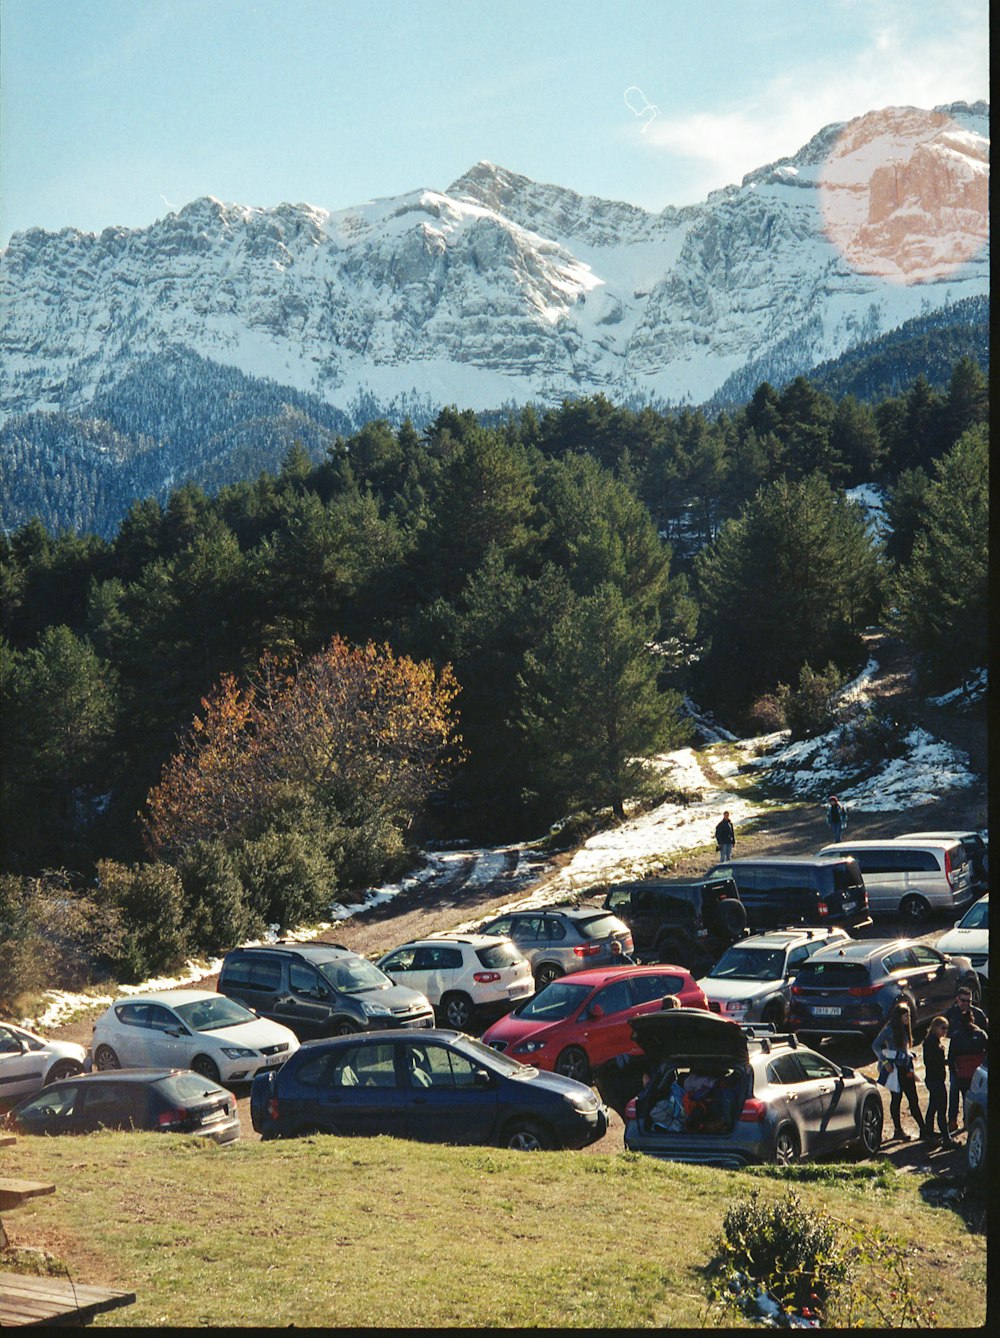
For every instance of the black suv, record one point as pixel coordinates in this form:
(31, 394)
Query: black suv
(783, 890)
(320, 989)
(689, 922)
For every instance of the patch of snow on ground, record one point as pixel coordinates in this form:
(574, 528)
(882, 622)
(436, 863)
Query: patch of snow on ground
(706, 724)
(856, 690)
(967, 692)
(928, 768)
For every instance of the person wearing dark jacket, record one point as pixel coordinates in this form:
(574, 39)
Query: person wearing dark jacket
(934, 1070)
(836, 817)
(893, 1047)
(962, 1014)
(725, 837)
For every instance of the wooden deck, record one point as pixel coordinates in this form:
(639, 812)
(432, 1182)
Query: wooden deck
(27, 1300)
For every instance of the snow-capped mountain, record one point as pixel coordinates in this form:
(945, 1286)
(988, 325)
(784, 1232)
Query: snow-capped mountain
(500, 289)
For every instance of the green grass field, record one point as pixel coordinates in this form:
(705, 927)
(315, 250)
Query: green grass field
(379, 1232)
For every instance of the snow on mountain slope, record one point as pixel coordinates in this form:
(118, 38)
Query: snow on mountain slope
(502, 289)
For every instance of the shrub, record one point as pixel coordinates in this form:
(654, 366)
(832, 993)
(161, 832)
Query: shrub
(873, 737)
(767, 714)
(288, 877)
(150, 901)
(217, 911)
(810, 708)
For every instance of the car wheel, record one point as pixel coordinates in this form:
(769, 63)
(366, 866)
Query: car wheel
(457, 1010)
(546, 974)
(786, 1147)
(344, 1028)
(105, 1058)
(775, 1014)
(65, 1068)
(872, 1117)
(206, 1067)
(527, 1136)
(915, 909)
(573, 1063)
(975, 1146)
(731, 917)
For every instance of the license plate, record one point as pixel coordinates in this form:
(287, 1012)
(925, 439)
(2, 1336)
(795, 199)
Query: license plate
(273, 1062)
(827, 1012)
(213, 1116)
(850, 905)
(515, 990)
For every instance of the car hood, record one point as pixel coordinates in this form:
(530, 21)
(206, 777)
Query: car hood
(396, 996)
(66, 1050)
(737, 989)
(964, 940)
(554, 1082)
(513, 1029)
(685, 1035)
(253, 1034)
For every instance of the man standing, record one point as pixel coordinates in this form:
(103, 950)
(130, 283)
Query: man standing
(725, 837)
(836, 817)
(962, 1016)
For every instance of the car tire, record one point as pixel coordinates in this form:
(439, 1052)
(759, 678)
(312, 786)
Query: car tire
(105, 1058)
(775, 1013)
(546, 974)
(457, 1010)
(915, 909)
(573, 1063)
(64, 1068)
(975, 1146)
(786, 1146)
(730, 917)
(206, 1068)
(527, 1136)
(344, 1028)
(872, 1120)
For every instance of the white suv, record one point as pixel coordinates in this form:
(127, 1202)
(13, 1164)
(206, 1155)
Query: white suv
(751, 980)
(971, 938)
(463, 975)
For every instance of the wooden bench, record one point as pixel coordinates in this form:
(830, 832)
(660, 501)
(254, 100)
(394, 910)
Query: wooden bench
(26, 1300)
(7, 1140)
(14, 1192)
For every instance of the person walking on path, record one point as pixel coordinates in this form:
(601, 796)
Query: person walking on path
(836, 817)
(893, 1048)
(962, 1015)
(934, 1070)
(725, 837)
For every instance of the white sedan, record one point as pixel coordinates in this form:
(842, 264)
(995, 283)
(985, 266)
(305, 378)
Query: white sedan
(29, 1062)
(190, 1029)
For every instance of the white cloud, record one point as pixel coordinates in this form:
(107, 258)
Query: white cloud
(895, 66)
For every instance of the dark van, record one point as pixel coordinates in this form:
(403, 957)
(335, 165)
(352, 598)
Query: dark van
(799, 890)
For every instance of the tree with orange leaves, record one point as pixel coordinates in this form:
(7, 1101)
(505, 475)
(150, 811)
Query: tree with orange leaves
(362, 732)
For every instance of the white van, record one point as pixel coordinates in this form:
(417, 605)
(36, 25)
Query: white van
(910, 877)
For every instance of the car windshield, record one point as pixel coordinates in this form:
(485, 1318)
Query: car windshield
(212, 1014)
(749, 964)
(492, 1059)
(353, 975)
(600, 926)
(976, 917)
(555, 1001)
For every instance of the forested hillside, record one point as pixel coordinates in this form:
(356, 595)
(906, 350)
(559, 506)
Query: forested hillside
(466, 630)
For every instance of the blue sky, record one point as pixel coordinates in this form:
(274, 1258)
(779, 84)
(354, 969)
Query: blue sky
(116, 111)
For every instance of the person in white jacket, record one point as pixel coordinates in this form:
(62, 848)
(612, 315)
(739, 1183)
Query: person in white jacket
(893, 1048)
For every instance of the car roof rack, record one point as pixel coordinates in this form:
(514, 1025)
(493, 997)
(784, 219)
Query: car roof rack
(297, 943)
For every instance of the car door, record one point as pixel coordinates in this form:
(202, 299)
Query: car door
(603, 1026)
(939, 979)
(307, 1006)
(356, 1090)
(446, 1101)
(434, 966)
(830, 1105)
(128, 1036)
(22, 1070)
(51, 1111)
(807, 1099)
(400, 966)
(167, 1039)
(108, 1105)
(528, 932)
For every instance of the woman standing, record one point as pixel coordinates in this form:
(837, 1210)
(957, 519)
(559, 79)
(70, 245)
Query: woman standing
(893, 1047)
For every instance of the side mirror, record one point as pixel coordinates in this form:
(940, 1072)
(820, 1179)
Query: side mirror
(846, 1072)
(595, 1011)
(481, 1078)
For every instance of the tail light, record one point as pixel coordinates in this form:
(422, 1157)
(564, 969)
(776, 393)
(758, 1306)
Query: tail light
(485, 977)
(948, 869)
(754, 1110)
(272, 1108)
(587, 949)
(630, 1108)
(822, 908)
(797, 989)
(167, 1118)
(863, 991)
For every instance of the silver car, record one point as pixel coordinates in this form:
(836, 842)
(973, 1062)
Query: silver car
(909, 877)
(559, 939)
(751, 980)
(728, 1095)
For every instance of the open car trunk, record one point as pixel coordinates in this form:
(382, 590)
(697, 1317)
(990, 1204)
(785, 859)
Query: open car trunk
(703, 1098)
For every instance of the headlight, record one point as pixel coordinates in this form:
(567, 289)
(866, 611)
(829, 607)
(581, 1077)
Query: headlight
(582, 1100)
(375, 1010)
(527, 1047)
(737, 1006)
(238, 1052)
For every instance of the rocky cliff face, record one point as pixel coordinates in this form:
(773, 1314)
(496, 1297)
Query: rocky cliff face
(502, 289)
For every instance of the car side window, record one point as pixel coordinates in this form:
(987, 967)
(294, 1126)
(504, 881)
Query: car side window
(797, 955)
(500, 926)
(899, 961)
(161, 1019)
(334, 1068)
(133, 1015)
(265, 975)
(105, 1103)
(304, 980)
(614, 998)
(376, 1065)
(815, 1066)
(525, 929)
(647, 988)
(52, 1103)
(554, 929)
(621, 899)
(925, 956)
(443, 1067)
(400, 961)
(783, 1069)
(9, 1043)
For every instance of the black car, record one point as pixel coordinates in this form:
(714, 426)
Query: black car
(175, 1101)
(690, 922)
(320, 989)
(783, 890)
(851, 987)
(436, 1086)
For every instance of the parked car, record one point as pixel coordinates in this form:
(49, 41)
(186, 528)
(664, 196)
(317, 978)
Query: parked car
(976, 1123)
(559, 939)
(29, 1061)
(464, 976)
(727, 1095)
(320, 989)
(910, 878)
(852, 987)
(970, 937)
(171, 1101)
(799, 890)
(687, 921)
(582, 1020)
(976, 850)
(189, 1029)
(435, 1086)
(751, 980)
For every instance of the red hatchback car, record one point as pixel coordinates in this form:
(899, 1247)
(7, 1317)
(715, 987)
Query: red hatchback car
(581, 1020)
